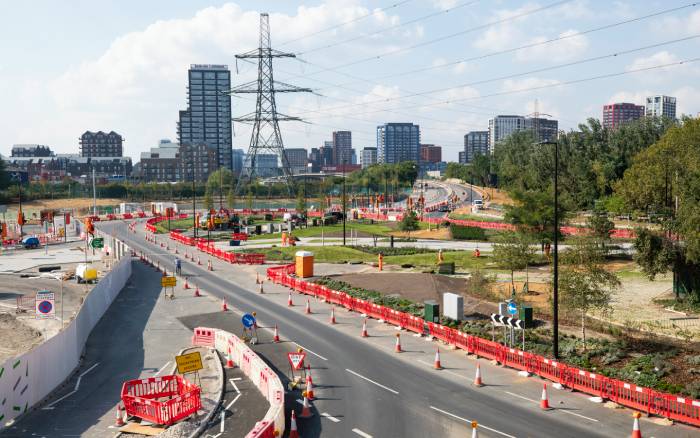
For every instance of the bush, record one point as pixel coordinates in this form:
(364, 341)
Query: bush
(460, 232)
(388, 251)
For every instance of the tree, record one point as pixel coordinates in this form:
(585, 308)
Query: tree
(533, 213)
(584, 282)
(231, 198)
(600, 226)
(208, 200)
(409, 222)
(513, 251)
(249, 200)
(301, 203)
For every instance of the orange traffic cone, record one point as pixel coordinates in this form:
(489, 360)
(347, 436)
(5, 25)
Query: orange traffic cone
(176, 251)
(290, 303)
(276, 337)
(544, 402)
(224, 306)
(398, 343)
(120, 417)
(306, 409)
(261, 288)
(293, 431)
(364, 329)
(308, 307)
(636, 432)
(187, 284)
(257, 278)
(309, 387)
(438, 365)
(196, 291)
(209, 266)
(229, 360)
(199, 261)
(477, 378)
(332, 315)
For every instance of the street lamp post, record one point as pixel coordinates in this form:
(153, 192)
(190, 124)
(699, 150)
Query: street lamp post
(555, 279)
(194, 204)
(344, 202)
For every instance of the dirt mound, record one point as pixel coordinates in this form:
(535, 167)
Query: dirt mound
(22, 337)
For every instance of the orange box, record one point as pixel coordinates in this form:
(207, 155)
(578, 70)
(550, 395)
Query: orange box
(304, 264)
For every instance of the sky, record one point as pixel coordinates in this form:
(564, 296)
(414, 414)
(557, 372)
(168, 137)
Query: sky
(447, 65)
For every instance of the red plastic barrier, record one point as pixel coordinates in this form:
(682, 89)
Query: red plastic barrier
(144, 398)
(203, 337)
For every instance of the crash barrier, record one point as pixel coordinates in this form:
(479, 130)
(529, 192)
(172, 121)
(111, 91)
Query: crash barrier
(25, 303)
(266, 380)
(617, 233)
(203, 337)
(640, 398)
(206, 246)
(144, 398)
(27, 379)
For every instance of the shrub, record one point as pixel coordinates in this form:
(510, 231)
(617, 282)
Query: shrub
(396, 251)
(460, 232)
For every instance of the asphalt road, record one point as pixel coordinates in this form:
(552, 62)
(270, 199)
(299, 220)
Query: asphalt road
(368, 391)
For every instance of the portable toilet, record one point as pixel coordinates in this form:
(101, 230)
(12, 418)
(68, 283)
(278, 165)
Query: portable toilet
(304, 264)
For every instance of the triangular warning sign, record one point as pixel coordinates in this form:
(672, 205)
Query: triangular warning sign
(296, 360)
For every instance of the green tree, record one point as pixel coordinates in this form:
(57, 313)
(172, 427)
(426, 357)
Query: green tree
(249, 200)
(600, 226)
(301, 203)
(409, 222)
(231, 198)
(584, 283)
(513, 251)
(533, 213)
(208, 200)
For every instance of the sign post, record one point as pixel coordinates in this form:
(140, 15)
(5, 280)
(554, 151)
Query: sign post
(45, 305)
(168, 282)
(249, 323)
(189, 363)
(296, 362)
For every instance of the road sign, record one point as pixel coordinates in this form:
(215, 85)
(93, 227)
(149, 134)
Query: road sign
(189, 363)
(296, 360)
(248, 320)
(512, 308)
(45, 305)
(502, 320)
(168, 281)
(97, 242)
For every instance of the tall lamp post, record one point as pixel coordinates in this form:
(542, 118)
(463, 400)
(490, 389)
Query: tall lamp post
(194, 204)
(344, 201)
(555, 280)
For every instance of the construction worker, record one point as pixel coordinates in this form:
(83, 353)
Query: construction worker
(380, 258)
(178, 266)
(440, 257)
(477, 253)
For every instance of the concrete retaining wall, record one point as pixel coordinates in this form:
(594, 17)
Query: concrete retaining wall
(27, 379)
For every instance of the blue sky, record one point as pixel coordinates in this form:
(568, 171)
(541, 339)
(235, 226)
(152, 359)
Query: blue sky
(122, 65)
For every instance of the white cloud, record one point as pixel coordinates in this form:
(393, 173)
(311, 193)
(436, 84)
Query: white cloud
(526, 84)
(571, 47)
(636, 97)
(444, 4)
(688, 100)
(658, 58)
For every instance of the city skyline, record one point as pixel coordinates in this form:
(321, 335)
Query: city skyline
(102, 84)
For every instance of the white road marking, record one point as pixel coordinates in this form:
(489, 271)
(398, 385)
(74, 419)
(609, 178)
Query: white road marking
(234, 385)
(469, 421)
(559, 410)
(443, 370)
(161, 370)
(77, 386)
(236, 379)
(232, 402)
(522, 397)
(372, 381)
(330, 417)
(306, 349)
(223, 419)
(361, 433)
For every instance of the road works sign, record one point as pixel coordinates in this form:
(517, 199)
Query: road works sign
(168, 281)
(189, 363)
(45, 305)
(296, 360)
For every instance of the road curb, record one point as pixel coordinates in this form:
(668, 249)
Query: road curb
(220, 371)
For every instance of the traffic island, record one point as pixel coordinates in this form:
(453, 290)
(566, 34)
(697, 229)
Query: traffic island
(178, 405)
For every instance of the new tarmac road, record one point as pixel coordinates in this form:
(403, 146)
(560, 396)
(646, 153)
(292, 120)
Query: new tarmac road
(370, 392)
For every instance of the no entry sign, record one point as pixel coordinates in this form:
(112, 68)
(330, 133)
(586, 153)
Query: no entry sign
(296, 360)
(45, 305)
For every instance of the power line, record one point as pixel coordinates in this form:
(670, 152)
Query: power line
(354, 20)
(396, 26)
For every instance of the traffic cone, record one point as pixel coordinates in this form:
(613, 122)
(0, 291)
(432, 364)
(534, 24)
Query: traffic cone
(209, 266)
(176, 251)
(475, 433)
(276, 337)
(293, 431)
(477, 378)
(636, 432)
(120, 417)
(309, 387)
(333, 315)
(290, 303)
(306, 409)
(187, 285)
(199, 261)
(398, 343)
(438, 365)
(257, 278)
(224, 306)
(196, 291)
(544, 402)
(364, 329)
(308, 307)
(261, 288)
(229, 360)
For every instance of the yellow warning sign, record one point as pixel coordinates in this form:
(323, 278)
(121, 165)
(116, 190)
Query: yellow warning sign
(189, 363)
(168, 281)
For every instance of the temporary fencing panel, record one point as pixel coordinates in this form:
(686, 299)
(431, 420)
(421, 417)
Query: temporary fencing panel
(141, 399)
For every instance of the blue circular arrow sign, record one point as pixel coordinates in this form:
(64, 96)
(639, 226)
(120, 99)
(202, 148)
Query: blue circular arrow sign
(512, 308)
(248, 320)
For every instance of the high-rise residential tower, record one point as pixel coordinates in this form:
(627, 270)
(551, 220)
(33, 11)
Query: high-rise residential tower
(397, 142)
(475, 143)
(617, 114)
(342, 147)
(207, 119)
(661, 106)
